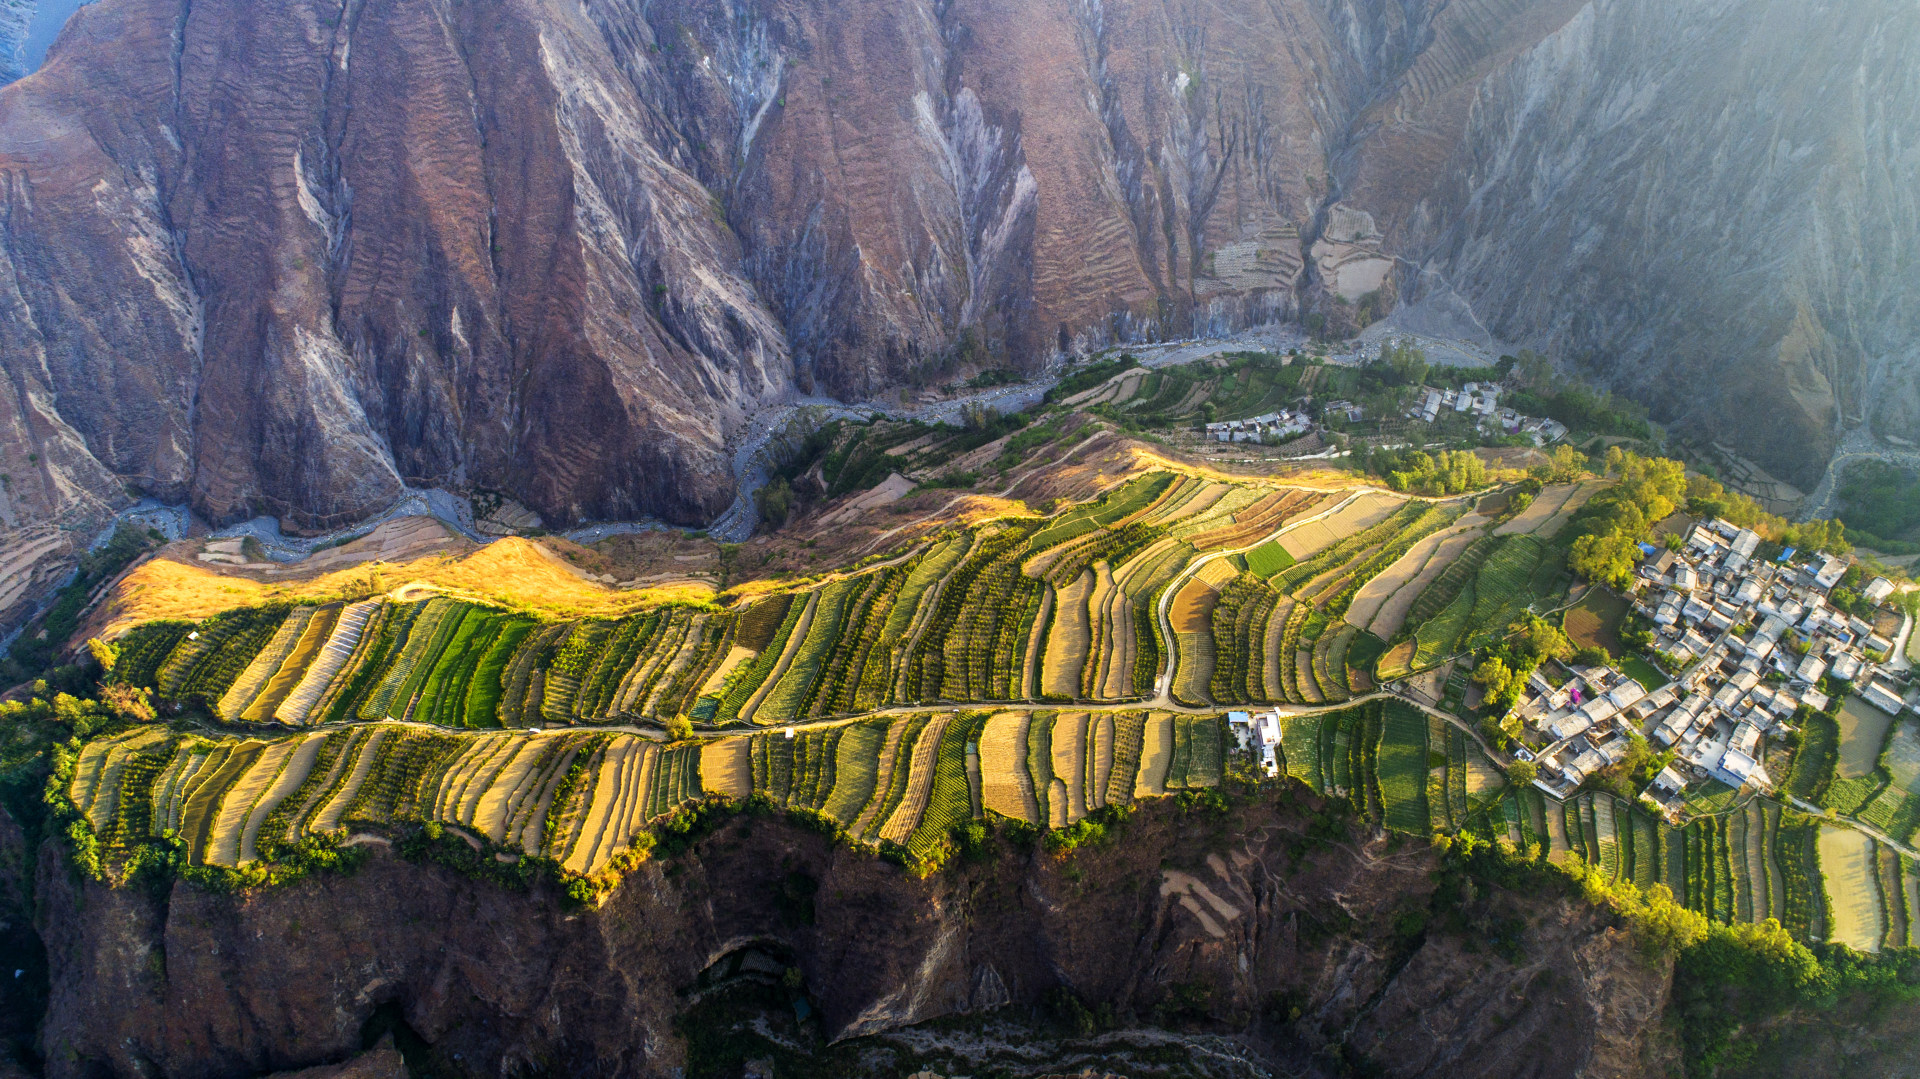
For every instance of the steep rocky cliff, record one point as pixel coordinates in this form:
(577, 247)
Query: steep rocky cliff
(1708, 205)
(1257, 946)
(15, 17)
(289, 258)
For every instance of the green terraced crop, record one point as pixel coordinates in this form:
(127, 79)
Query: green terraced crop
(856, 770)
(1040, 762)
(1300, 748)
(1207, 751)
(1268, 559)
(791, 696)
(1129, 738)
(749, 677)
(144, 649)
(238, 637)
(1182, 758)
(950, 799)
(1402, 768)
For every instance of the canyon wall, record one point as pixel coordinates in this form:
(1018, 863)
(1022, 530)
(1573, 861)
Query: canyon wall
(289, 259)
(1707, 205)
(1281, 952)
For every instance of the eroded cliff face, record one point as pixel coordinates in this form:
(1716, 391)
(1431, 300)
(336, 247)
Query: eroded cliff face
(1708, 205)
(289, 258)
(1297, 952)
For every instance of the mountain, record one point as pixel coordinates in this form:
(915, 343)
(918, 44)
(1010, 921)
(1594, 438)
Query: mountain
(291, 258)
(16, 16)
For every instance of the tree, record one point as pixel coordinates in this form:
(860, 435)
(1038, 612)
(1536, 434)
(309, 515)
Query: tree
(1593, 656)
(679, 729)
(1522, 773)
(128, 702)
(1568, 464)
(776, 502)
(1604, 559)
(1539, 640)
(1494, 674)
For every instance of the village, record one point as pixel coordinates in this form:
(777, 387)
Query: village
(1482, 400)
(1752, 641)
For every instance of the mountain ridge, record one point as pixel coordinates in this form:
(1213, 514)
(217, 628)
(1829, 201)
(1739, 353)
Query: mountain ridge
(292, 260)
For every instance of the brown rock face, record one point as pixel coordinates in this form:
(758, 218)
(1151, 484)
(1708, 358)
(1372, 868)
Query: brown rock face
(287, 258)
(1224, 918)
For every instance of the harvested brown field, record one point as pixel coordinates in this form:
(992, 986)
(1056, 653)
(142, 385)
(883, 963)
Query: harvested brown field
(883, 777)
(1198, 503)
(1374, 594)
(1156, 754)
(1006, 787)
(601, 798)
(926, 751)
(726, 767)
(1303, 672)
(1192, 607)
(1069, 768)
(1101, 730)
(1067, 641)
(502, 792)
(1553, 507)
(299, 764)
(1365, 511)
(367, 750)
(1393, 611)
(1262, 518)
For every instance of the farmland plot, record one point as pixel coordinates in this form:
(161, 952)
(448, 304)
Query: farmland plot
(900, 824)
(1402, 768)
(1395, 608)
(339, 647)
(1853, 892)
(1156, 755)
(856, 768)
(1006, 785)
(264, 664)
(288, 675)
(788, 698)
(1067, 641)
(1366, 510)
(1542, 509)
(725, 768)
(236, 803)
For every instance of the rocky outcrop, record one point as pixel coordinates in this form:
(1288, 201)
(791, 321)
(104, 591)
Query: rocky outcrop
(1296, 951)
(291, 258)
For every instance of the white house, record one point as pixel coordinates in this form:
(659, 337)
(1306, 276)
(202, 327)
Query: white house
(1877, 590)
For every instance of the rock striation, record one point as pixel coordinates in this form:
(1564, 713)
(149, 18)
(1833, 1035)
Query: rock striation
(291, 258)
(1299, 952)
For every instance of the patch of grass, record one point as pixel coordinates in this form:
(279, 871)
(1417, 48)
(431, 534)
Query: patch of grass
(1594, 622)
(1268, 559)
(1643, 672)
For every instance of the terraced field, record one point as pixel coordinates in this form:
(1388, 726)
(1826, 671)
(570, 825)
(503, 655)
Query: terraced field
(1059, 609)
(580, 796)
(914, 663)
